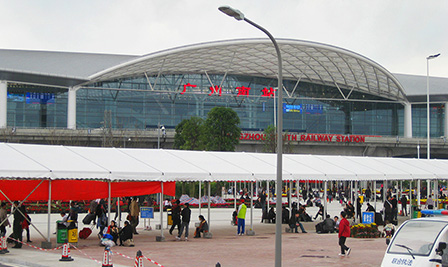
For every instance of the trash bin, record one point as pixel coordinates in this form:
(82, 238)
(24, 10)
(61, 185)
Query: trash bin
(64, 232)
(72, 232)
(61, 232)
(170, 216)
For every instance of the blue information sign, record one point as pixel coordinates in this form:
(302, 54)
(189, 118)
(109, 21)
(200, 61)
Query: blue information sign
(368, 217)
(147, 212)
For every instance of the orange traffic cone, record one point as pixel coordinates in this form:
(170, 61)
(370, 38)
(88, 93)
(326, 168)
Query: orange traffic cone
(3, 245)
(139, 259)
(66, 252)
(107, 260)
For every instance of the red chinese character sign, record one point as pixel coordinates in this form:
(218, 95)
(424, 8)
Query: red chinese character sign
(185, 87)
(268, 92)
(242, 90)
(215, 90)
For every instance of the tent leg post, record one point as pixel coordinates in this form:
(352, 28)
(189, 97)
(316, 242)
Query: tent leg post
(47, 244)
(161, 238)
(251, 231)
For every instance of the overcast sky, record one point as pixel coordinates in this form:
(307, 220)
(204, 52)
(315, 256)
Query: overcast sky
(397, 34)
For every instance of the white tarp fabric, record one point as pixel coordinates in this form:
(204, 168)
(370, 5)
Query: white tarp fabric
(23, 161)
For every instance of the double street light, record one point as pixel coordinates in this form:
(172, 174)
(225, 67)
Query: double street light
(238, 15)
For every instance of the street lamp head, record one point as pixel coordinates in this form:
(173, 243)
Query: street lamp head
(238, 15)
(432, 56)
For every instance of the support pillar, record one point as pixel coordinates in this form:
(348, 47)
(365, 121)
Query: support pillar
(71, 108)
(445, 120)
(3, 103)
(407, 120)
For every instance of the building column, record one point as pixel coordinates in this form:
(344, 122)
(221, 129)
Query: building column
(3, 104)
(71, 108)
(408, 120)
(445, 120)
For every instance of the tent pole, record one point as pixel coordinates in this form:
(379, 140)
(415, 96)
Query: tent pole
(355, 203)
(49, 211)
(418, 193)
(119, 211)
(208, 214)
(351, 192)
(290, 195)
(200, 196)
(325, 200)
(234, 196)
(374, 193)
(251, 206)
(436, 194)
(410, 199)
(268, 191)
(108, 202)
(161, 210)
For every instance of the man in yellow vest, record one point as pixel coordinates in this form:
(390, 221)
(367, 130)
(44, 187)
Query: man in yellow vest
(241, 218)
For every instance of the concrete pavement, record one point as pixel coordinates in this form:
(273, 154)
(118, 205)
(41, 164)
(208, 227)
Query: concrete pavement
(225, 247)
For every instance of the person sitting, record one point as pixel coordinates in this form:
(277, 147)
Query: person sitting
(320, 211)
(336, 224)
(202, 228)
(295, 222)
(113, 230)
(64, 222)
(271, 215)
(370, 208)
(389, 229)
(285, 215)
(350, 210)
(329, 225)
(126, 235)
(234, 217)
(304, 217)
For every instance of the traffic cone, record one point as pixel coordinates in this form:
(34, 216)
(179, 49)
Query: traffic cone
(138, 259)
(66, 252)
(107, 260)
(2, 248)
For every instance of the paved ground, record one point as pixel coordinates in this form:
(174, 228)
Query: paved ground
(225, 247)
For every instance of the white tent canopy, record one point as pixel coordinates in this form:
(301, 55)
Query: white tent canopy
(63, 162)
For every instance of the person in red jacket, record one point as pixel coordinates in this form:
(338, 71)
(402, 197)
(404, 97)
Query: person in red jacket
(344, 232)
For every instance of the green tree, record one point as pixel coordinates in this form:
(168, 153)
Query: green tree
(189, 134)
(221, 132)
(270, 141)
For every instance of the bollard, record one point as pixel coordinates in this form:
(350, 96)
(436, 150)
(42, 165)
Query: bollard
(138, 259)
(218, 264)
(2, 248)
(66, 252)
(107, 260)
(5, 245)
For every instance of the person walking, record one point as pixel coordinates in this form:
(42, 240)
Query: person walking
(3, 219)
(176, 217)
(134, 212)
(241, 218)
(186, 215)
(344, 232)
(17, 224)
(404, 203)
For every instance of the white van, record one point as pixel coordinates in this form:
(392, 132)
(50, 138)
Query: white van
(419, 242)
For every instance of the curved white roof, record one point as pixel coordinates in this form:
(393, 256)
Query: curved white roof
(302, 60)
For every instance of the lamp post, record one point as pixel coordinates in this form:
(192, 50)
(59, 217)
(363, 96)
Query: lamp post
(427, 104)
(428, 125)
(238, 15)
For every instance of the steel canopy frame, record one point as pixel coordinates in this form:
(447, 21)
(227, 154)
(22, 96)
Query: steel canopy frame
(303, 60)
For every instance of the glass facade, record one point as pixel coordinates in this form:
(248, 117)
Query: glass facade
(32, 106)
(143, 102)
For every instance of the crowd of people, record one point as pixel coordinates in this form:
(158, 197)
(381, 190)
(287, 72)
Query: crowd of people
(112, 234)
